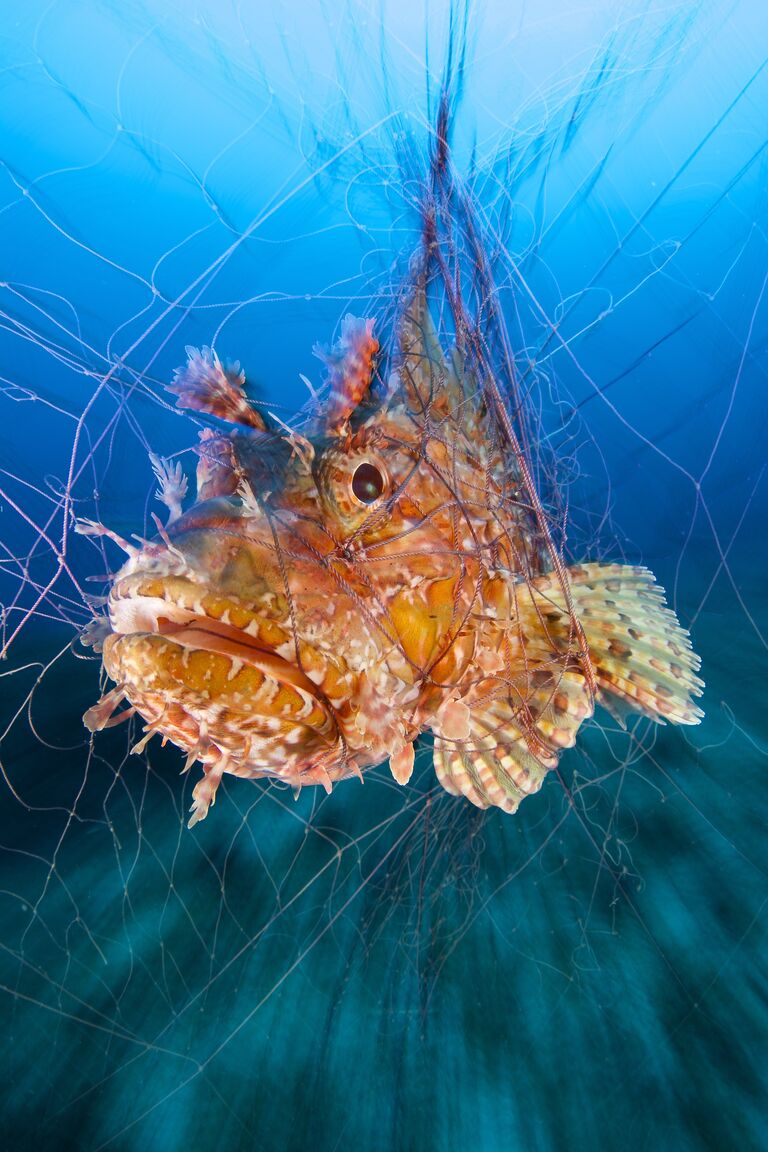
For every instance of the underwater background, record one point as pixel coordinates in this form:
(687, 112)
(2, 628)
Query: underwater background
(385, 968)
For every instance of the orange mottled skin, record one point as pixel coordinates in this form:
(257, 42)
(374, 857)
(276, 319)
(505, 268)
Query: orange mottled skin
(285, 627)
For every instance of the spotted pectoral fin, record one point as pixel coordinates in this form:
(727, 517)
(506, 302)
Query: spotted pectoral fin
(641, 656)
(537, 692)
(515, 737)
(489, 777)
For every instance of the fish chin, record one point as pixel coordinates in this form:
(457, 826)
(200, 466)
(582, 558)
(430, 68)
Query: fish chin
(217, 679)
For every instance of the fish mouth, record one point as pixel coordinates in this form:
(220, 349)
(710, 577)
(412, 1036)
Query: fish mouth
(216, 678)
(133, 612)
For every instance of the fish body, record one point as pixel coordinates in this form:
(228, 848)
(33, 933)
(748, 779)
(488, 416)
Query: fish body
(384, 571)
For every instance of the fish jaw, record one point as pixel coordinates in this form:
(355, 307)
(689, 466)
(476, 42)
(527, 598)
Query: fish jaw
(213, 682)
(204, 650)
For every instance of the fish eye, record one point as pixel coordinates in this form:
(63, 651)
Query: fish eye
(367, 483)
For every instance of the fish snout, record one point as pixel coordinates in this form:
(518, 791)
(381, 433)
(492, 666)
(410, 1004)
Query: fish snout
(217, 675)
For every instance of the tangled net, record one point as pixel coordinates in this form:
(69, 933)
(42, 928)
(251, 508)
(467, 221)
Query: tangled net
(144, 966)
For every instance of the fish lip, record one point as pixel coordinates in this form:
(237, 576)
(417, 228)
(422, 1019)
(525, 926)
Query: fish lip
(133, 614)
(175, 611)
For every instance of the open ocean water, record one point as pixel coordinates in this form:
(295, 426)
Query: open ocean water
(384, 968)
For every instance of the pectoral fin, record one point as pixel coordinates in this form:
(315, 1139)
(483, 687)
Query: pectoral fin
(642, 657)
(526, 712)
(515, 737)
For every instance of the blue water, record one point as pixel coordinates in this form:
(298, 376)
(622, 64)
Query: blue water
(374, 969)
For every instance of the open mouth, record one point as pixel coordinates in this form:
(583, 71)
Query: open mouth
(216, 679)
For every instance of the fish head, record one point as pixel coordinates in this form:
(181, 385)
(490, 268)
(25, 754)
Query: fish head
(315, 604)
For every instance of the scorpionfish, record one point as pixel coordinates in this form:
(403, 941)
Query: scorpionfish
(380, 571)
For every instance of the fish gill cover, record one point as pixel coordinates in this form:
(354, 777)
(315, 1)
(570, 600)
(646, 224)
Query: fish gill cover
(549, 228)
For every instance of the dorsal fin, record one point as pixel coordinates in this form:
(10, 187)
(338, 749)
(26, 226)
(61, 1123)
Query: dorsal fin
(427, 376)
